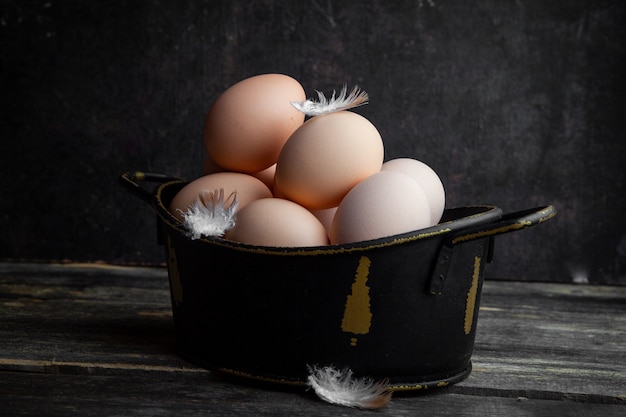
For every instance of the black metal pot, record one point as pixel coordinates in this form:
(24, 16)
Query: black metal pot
(402, 308)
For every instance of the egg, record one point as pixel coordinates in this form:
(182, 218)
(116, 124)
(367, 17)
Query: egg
(247, 125)
(427, 178)
(267, 176)
(247, 187)
(277, 222)
(327, 156)
(325, 216)
(384, 204)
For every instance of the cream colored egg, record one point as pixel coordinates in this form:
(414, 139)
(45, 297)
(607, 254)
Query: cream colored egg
(247, 187)
(326, 157)
(384, 204)
(427, 178)
(277, 222)
(247, 125)
(325, 216)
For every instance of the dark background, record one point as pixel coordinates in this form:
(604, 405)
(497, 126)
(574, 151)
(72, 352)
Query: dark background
(513, 103)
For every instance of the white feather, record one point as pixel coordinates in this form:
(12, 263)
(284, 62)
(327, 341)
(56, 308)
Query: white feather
(210, 215)
(341, 388)
(344, 101)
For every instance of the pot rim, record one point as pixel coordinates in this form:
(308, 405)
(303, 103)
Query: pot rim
(487, 213)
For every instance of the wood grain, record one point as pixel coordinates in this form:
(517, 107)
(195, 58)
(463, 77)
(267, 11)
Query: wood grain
(88, 340)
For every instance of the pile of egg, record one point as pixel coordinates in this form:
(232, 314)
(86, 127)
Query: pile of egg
(307, 182)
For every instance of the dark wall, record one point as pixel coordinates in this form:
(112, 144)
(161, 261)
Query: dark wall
(513, 103)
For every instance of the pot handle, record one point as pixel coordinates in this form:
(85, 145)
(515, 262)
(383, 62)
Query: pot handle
(131, 181)
(508, 223)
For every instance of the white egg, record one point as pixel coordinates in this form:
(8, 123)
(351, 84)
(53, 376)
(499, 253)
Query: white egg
(384, 204)
(427, 178)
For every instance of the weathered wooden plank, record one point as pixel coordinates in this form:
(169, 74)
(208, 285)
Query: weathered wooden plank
(73, 314)
(198, 395)
(544, 342)
(551, 338)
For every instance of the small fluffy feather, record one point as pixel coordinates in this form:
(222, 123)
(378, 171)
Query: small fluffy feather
(341, 388)
(356, 98)
(210, 215)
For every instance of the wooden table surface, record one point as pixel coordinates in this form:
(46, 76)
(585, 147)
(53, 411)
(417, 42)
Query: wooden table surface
(97, 340)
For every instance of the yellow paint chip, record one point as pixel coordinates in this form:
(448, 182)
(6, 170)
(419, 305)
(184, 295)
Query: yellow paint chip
(470, 305)
(486, 233)
(357, 317)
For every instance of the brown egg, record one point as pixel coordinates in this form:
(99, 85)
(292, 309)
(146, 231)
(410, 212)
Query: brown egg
(384, 204)
(247, 125)
(267, 176)
(277, 222)
(247, 187)
(326, 157)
